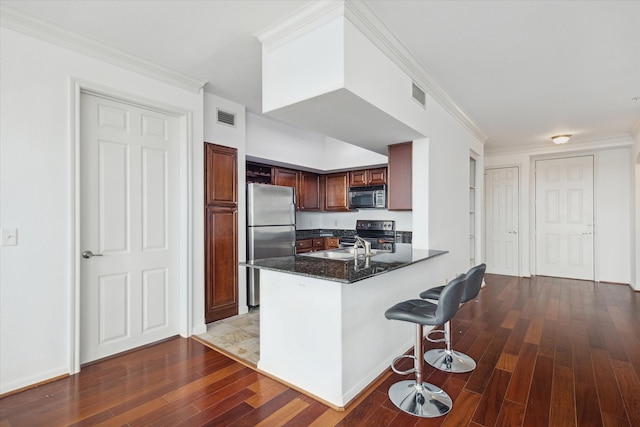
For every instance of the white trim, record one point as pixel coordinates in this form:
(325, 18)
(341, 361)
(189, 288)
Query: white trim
(364, 18)
(299, 23)
(18, 20)
(185, 239)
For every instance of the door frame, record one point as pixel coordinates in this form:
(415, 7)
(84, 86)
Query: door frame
(532, 206)
(185, 222)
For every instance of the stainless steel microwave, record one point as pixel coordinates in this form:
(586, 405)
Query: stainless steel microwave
(371, 197)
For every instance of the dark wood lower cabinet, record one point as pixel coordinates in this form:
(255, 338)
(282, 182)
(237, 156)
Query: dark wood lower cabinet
(221, 255)
(221, 232)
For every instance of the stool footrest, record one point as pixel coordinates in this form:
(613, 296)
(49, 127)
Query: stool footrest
(404, 356)
(433, 331)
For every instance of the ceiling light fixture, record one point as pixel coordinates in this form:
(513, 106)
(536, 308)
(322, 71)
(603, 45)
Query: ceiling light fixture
(560, 139)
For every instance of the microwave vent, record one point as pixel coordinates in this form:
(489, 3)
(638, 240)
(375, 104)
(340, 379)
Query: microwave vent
(418, 94)
(226, 118)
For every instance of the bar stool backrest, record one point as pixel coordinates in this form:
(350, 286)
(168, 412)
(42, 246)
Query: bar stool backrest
(474, 282)
(449, 300)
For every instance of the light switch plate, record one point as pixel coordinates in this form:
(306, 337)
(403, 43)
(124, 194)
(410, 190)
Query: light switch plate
(9, 236)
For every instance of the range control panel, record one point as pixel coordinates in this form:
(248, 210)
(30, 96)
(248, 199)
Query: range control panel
(375, 225)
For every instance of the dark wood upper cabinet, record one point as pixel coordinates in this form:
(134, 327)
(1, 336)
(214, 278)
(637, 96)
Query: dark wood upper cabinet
(221, 232)
(336, 192)
(400, 177)
(221, 166)
(285, 177)
(357, 178)
(366, 177)
(377, 176)
(309, 190)
(258, 173)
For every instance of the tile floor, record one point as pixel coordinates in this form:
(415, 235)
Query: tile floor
(237, 335)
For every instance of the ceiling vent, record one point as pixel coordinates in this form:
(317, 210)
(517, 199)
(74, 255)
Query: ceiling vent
(226, 118)
(418, 95)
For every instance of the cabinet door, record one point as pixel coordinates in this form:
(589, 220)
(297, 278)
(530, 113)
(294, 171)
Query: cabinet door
(336, 192)
(377, 176)
(221, 175)
(285, 177)
(221, 266)
(308, 196)
(358, 178)
(399, 177)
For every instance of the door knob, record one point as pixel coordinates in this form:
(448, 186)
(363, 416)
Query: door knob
(89, 254)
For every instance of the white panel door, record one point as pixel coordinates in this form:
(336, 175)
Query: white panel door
(501, 221)
(564, 217)
(129, 222)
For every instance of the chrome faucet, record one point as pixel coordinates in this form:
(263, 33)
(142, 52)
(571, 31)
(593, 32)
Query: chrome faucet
(364, 244)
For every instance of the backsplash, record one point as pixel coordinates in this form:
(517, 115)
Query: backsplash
(401, 236)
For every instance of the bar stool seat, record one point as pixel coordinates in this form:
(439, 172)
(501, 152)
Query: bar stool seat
(416, 397)
(447, 359)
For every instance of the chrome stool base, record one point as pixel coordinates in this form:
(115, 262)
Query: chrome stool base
(452, 361)
(425, 400)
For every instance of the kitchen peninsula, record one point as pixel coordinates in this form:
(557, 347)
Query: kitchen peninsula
(322, 324)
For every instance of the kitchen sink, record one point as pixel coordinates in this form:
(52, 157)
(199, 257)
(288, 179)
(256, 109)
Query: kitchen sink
(344, 254)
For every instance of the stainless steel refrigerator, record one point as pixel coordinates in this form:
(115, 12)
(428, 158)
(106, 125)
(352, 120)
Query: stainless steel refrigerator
(271, 229)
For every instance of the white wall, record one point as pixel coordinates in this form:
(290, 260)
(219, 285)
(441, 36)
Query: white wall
(229, 136)
(443, 202)
(317, 69)
(613, 209)
(280, 143)
(36, 276)
(635, 200)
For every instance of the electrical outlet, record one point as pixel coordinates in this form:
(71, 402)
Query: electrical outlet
(9, 237)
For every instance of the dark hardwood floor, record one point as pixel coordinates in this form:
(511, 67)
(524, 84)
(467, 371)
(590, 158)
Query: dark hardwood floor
(550, 352)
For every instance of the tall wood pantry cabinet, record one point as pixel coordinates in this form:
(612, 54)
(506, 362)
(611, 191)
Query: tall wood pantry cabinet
(221, 232)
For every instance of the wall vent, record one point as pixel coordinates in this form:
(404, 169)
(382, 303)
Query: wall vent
(418, 94)
(226, 118)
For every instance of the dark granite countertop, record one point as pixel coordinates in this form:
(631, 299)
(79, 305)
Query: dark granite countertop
(346, 271)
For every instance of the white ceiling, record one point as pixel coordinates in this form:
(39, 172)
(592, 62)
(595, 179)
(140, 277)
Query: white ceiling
(522, 70)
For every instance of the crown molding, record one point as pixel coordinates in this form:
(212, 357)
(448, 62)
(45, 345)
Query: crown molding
(601, 142)
(17, 20)
(300, 22)
(318, 13)
(370, 24)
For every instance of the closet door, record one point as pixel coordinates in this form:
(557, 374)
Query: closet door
(501, 223)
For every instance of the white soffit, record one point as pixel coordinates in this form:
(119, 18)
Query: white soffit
(364, 18)
(17, 20)
(335, 112)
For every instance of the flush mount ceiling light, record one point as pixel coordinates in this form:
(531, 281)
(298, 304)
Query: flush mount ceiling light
(560, 139)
